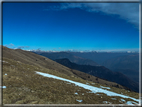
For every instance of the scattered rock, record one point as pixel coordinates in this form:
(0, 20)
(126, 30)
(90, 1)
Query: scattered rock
(32, 91)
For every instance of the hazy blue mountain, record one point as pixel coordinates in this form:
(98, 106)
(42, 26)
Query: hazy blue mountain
(72, 58)
(126, 63)
(102, 72)
(100, 57)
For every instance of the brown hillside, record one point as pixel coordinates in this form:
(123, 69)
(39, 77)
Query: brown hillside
(34, 59)
(24, 86)
(31, 58)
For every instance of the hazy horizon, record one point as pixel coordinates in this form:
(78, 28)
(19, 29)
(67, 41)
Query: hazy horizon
(74, 50)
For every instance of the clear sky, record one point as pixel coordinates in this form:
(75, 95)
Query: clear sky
(64, 26)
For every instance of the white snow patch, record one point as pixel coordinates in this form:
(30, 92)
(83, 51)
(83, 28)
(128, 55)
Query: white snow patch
(3, 61)
(76, 93)
(82, 93)
(88, 87)
(130, 102)
(105, 87)
(105, 102)
(5, 74)
(113, 98)
(79, 100)
(2, 86)
(123, 100)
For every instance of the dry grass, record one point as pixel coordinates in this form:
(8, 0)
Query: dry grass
(41, 62)
(24, 86)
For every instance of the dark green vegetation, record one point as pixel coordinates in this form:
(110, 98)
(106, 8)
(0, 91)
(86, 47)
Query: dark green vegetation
(24, 86)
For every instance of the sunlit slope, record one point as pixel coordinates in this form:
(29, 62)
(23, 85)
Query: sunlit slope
(34, 59)
(24, 86)
(43, 62)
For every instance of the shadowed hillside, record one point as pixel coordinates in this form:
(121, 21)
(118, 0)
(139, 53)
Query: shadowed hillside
(72, 58)
(102, 72)
(127, 64)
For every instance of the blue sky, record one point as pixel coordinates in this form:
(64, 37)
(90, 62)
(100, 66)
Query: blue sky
(66, 26)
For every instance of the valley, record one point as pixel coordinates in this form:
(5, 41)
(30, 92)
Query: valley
(121, 68)
(123, 62)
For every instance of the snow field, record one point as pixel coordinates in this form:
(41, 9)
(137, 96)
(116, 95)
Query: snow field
(91, 88)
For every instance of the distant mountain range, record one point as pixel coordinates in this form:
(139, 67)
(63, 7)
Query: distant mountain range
(100, 58)
(101, 72)
(126, 63)
(72, 58)
(121, 62)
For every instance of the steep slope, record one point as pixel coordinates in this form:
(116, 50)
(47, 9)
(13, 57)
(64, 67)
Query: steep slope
(72, 58)
(21, 84)
(34, 59)
(102, 72)
(41, 61)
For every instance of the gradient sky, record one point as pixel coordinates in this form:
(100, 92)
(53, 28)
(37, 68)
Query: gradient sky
(64, 26)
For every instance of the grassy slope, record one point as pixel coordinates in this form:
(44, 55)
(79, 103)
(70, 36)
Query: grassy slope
(34, 59)
(24, 86)
(37, 60)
